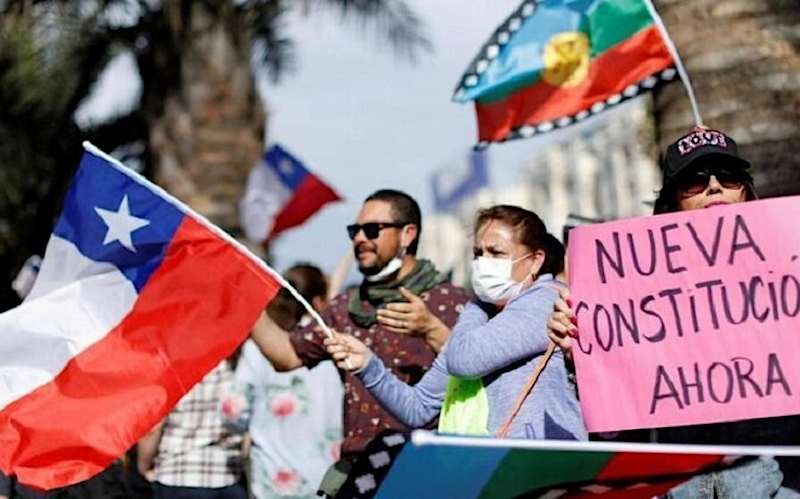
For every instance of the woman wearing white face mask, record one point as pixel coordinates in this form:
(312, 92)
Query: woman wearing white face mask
(479, 380)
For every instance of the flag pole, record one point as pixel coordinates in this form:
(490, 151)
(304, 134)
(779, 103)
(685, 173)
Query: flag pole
(687, 83)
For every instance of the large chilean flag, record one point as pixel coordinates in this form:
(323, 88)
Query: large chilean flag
(281, 193)
(137, 298)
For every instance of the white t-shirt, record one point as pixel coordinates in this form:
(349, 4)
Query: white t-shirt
(295, 422)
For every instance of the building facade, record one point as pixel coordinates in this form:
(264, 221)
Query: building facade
(608, 171)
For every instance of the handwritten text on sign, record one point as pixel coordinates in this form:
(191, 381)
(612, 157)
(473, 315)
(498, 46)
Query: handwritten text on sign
(688, 318)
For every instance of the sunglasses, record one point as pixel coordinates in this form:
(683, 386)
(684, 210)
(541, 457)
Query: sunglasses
(696, 181)
(372, 229)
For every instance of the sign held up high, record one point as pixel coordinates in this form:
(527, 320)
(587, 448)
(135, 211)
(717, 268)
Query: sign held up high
(688, 318)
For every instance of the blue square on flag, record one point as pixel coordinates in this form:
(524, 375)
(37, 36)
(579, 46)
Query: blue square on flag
(112, 218)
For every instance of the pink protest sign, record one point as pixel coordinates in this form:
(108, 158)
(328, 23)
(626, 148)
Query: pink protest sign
(688, 318)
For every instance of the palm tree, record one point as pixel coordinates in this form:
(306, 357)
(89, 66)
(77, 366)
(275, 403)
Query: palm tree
(200, 116)
(744, 62)
(39, 144)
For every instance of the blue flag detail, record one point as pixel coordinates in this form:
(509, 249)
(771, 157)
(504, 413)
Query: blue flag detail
(112, 218)
(450, 189)
(289, 169)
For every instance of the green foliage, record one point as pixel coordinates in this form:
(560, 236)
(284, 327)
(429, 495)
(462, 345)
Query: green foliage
(38, 145)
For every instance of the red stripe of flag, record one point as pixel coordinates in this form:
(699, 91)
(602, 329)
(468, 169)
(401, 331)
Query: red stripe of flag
(309, 197)
(626, 63)
(635, 475)
(628, 465)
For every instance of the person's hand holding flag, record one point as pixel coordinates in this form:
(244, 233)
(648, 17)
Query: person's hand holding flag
(137, 298)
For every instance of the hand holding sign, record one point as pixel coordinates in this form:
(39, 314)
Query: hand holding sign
(687, 318)
(561, 325)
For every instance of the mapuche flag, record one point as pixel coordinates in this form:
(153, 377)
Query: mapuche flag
(136, 300)
(429, 465)
(556, 62)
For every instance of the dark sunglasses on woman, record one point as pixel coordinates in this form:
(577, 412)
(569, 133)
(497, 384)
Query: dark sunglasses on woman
(696, 181)
(372, 229)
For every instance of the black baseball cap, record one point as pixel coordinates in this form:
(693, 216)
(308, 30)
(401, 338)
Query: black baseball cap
(697, 144)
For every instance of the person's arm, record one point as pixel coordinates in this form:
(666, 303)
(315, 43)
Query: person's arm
(274, 343)
(517, 332)
(146, 451)
(437, 335)
(415, 406)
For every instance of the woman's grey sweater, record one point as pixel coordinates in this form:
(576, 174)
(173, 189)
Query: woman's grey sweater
(503, 351)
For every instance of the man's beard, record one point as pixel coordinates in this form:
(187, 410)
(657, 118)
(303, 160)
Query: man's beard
(375, 267)
(380, 265)
(372, 269)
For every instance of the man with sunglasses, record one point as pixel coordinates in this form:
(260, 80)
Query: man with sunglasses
(403, 310)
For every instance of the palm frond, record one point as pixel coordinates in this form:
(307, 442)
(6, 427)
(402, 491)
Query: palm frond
(88, 59)
(272, 49)
(39, 145)
(390, 20)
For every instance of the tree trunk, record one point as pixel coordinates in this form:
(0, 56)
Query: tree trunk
(206, 128)
(743, 57)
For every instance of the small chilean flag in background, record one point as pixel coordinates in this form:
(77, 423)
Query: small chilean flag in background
(280, 194)
(136, 300)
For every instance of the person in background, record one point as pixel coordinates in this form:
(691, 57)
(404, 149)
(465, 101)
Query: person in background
(403, 309)
(294, 419)
(497, 344)
(702, 170)
(191, 454)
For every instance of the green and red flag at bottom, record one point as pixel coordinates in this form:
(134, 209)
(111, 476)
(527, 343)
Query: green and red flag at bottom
(430, 465)
(553, 63)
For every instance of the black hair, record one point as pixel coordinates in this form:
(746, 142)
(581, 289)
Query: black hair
(404, 210)
(554, 255)
(310, 282)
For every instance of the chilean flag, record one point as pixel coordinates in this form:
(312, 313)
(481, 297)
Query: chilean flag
(137, 298)
(281, 193)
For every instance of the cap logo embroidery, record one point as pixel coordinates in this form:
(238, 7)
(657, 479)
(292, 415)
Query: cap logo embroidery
(700, 139)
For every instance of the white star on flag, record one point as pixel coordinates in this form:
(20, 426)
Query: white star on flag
(286, 167)
(121, 224)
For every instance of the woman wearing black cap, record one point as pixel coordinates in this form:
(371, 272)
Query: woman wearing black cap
(701, 170)
(704, 169)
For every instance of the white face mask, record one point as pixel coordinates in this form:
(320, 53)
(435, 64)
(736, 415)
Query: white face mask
(391, 267)
(492, 281)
